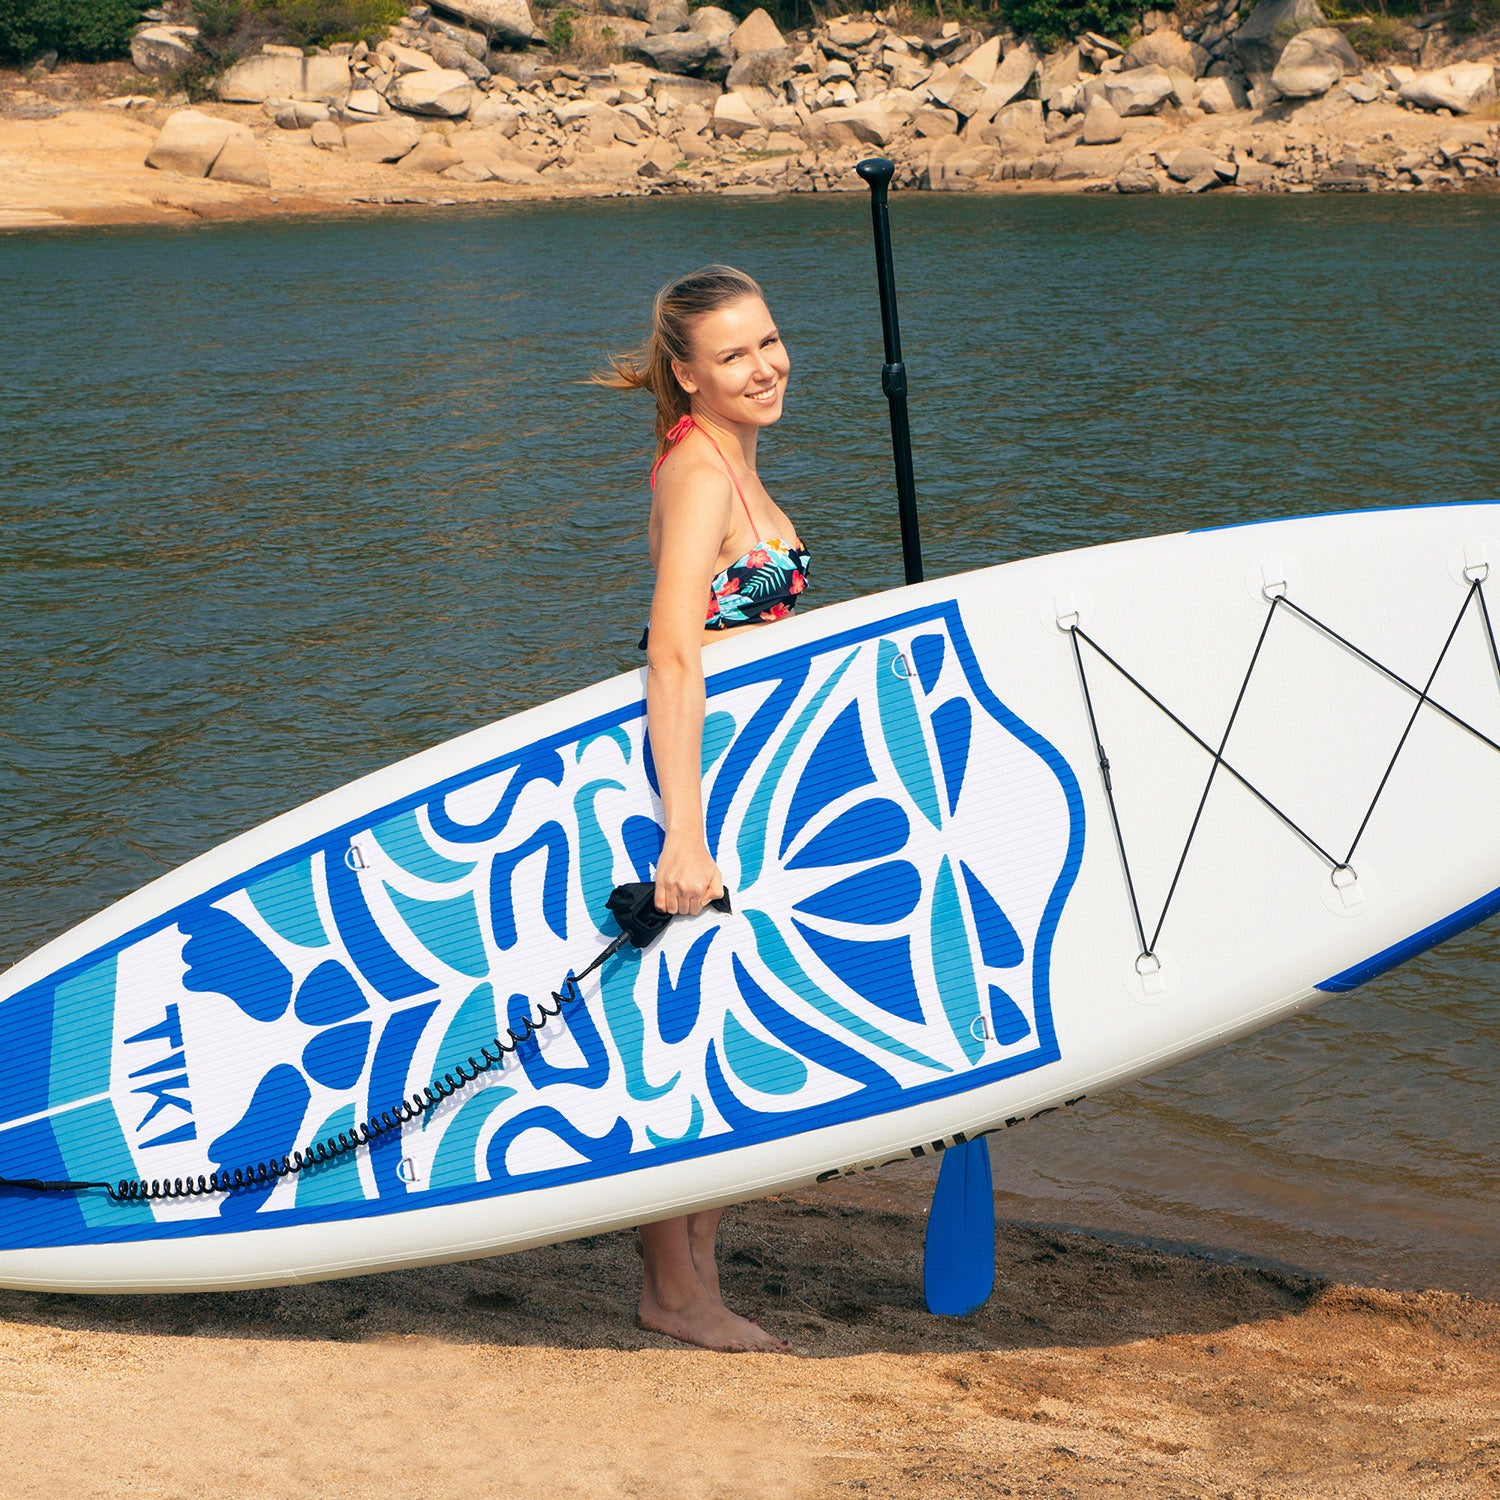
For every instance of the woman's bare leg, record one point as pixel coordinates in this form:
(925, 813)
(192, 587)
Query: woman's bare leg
(674, 1299)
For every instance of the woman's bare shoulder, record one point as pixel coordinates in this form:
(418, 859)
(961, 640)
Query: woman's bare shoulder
(691, 481)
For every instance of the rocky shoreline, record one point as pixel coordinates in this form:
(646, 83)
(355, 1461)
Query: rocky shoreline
(457, 104)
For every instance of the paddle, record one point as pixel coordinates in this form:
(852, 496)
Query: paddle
(877, 171)
(959, 1263)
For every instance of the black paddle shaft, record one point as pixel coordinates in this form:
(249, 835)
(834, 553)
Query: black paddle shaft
(877, 171)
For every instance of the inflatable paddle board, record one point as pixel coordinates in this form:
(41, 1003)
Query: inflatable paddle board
(994, 843)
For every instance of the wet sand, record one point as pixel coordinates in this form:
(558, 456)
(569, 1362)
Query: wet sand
(1097, 1368)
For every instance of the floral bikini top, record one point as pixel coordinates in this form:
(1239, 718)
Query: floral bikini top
(762, 585)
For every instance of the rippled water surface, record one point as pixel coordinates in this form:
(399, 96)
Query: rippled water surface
(283, 503)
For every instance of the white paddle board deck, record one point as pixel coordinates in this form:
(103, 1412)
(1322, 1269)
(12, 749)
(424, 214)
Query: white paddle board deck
(933, 934)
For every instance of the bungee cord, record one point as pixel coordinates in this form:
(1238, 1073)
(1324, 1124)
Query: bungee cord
(1279, 601)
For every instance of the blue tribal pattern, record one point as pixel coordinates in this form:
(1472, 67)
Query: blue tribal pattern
(899, 848)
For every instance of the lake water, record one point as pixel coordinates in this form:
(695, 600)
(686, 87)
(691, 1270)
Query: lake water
(283, 503)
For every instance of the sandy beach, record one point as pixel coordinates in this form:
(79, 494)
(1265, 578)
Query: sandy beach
(1097, 1368)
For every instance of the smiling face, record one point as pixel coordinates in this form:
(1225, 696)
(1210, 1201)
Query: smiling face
(739, 365)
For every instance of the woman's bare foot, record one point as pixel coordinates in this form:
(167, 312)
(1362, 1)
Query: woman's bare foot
(709, 1325)
(680, 1288)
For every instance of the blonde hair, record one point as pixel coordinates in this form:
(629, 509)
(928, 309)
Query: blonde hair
(678, 305)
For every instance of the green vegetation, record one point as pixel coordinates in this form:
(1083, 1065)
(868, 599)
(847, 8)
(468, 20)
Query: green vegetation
(1475, 15)
(560, 34)
(89, 30)
(1376, 38)
(1053, 23)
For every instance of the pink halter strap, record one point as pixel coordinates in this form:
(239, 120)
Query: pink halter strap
(676, 435)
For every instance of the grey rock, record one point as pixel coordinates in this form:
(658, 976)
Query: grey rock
(1463, 88)
(1138, 91)
(1222, 96)
(1169, 50)
(381, 140)
(506, 21)
(441, 91)
(1260, 42)
(1312, 62)
(279, 75)
(676, 52)
(1135, 180)
(933, 120)
(189, 143)
(1102, 126)
(686, 93)
(664, 17)
(162, 49)
(756, 33)
(241, 161)
(767, 69)
(1189, 163)
(717, 25)
(327, 136)
(431, 154)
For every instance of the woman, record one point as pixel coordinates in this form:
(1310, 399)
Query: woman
(726, 557)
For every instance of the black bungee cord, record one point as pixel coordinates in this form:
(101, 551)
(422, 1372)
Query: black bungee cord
(1422, 694)
(633, 908)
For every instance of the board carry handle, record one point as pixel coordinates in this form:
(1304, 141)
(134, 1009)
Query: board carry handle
(632, 906)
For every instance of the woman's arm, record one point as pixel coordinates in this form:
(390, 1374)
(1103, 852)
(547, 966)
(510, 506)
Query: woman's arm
(690, 516)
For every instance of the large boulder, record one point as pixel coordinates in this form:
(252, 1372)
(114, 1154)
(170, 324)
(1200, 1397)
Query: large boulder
(663, 16)
(677, 51)
(490, 110)
(1189, 163)
(1222, 96)
(685, 93)
(717, 25)
(1312, 62)
(1170, 50)
(162, 49)
(957, 91)
(1013, 74)
(192, 144)
(767, 69)
(285, 74)
(380, 140)
(871, 123)
(982, 61)
(1017, 130)
(438, 91)
(733, 116)
(431, 154)
(1138, 91)
(505, 21)
(1463, 88)
(756, 33)
(845, 31)
(241, 161)
(1102, 126)
(189, 143)
(1260, 42)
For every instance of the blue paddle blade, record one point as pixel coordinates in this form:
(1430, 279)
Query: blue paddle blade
(958, 1270)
